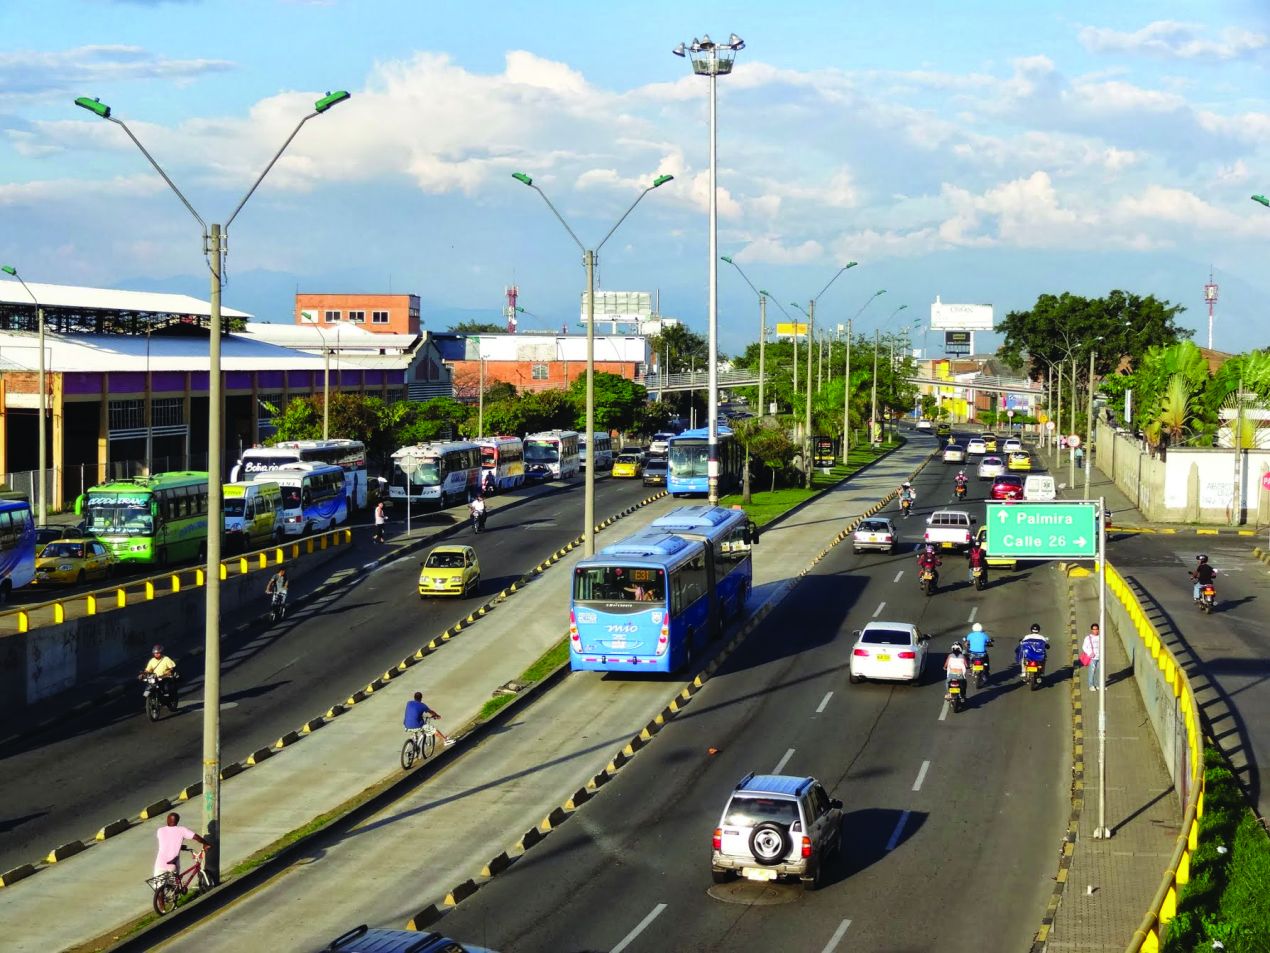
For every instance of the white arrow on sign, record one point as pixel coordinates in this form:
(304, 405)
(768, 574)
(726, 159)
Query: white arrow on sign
(1080, 541)
(1002, 515)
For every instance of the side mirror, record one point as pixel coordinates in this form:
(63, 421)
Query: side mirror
(973, 521)
(835, 804)
(923, 637)
(855, 634)
(79, 505)
(154, 507)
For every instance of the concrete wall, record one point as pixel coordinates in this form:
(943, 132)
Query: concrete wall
(56, 658)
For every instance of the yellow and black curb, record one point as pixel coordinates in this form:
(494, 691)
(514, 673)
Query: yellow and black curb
(430, 914)
(233, 769)
(1078, 781)
(1182, 530)
(1261, 554)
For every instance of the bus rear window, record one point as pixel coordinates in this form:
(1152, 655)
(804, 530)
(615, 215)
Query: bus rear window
(619, 584)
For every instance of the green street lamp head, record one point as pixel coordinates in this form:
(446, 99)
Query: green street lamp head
(765, 294)
(9, 270)
(661, 180)
(850, 264)
(1262, 199)
(882, 292)
(331, 99)
(521, 177)
(727, 259)
(94, 106)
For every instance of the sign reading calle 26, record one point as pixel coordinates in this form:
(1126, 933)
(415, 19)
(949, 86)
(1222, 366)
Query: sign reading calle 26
(1043, 530)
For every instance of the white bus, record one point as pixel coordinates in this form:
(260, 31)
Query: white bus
(314, 497)
(603, 451)
(436, 474)
(503, 460)
(348, 455)
(552, 454)
(17, 547)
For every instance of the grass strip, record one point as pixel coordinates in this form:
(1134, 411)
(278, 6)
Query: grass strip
(1227, 899)
(543, 666)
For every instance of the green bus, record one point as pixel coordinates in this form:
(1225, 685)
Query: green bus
(158, 519)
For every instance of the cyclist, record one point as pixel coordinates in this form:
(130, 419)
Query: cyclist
(277, 585)
(1204, 574)
(417, 715)
(1034, 647)
(172, 838)
(478, 511)
(164, 669)
(977, 642)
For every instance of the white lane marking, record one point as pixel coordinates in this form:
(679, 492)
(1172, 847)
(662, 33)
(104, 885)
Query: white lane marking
(921, 776)
(881, 606)
(833, 940)
(640, 928)
(780, 765)
(824, 702)
(973, 612)
(899, 575)
(899, 829)
(943, 712)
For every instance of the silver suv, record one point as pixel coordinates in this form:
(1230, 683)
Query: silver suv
(777, 826)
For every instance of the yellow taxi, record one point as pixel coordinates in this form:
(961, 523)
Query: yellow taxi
(994, 562)
(65, 562)
(449, 571)
(1019, 460)
(629, 465)
(989, 441)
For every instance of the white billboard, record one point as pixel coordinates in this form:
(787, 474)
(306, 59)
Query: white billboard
(960, 317)
(624, 307)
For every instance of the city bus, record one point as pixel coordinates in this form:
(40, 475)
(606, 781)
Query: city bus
(252, 514)
(728, 536)
(552, 454)
(503, 459)
(436, 474)
(314, 497)
(348, 455)
(603, 451)
(688, 455)
(17, 547)
(641, 605)
(158, 519)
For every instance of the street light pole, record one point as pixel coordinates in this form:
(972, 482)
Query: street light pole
(846, 397)
(588, 262)
(712, 60)
(873, 422)
(41, 491)
(215, 251)
(1089, 426)
(811, 324)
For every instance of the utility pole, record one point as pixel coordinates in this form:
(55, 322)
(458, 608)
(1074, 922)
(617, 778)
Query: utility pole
(809, 452)
(846, 398)
(1236, 498)
(1089, 426)
(1071, 453)
(873, 422)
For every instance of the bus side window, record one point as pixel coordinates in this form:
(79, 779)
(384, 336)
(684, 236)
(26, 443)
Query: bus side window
(8, 533)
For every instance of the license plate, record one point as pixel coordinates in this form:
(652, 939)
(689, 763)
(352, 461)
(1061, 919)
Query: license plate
(954, 689)
(619, 644)
(438, 583)
(884, 658)
(978, 666)
(1032, 666)
(758, 873)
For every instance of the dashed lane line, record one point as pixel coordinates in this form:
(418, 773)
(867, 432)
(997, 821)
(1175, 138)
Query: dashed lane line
(639, 928)
(881, 606)
(824, 702)
(921, 776)
(899, 575)
(898, 832)
(834, 940)
(780, 765)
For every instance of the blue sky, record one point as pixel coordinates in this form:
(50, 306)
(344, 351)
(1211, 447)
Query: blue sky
(983, 151)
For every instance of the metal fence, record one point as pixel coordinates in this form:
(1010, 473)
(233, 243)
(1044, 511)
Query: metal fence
(77, 479)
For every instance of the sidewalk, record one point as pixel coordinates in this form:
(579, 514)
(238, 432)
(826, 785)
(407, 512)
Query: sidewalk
(82, 898)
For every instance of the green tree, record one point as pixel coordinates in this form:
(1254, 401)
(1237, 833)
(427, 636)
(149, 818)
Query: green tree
(617, 401)
(500, 390)
(768, 441)
(478, 327)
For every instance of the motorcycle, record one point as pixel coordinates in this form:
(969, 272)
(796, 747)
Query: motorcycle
(960, 491)
(478, 520)
(278, 606)
(907, 506)
(1207, 597)
(957, 693)
(979, 668)
(980, 576)
(1032, 672)
(158, 692)
(928, 580)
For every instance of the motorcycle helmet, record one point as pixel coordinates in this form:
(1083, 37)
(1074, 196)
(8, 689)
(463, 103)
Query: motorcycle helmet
(977, 627)
(1035, 630)
(1202, 557)
(956, 649)
(157, 650)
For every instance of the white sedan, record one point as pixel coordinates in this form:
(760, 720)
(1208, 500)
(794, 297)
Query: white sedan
(954, 453)
(889, 651)
(1012, 444)
(976, 446)
(877, 533)
(991, 467)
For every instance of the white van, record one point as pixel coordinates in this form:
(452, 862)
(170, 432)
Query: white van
(253, 514)
(1039, 487)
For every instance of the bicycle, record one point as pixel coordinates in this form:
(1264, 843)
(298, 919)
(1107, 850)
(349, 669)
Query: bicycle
(421, 744)
(169, 886)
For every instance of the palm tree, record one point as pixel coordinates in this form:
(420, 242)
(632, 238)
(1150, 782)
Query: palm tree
(1174, 414)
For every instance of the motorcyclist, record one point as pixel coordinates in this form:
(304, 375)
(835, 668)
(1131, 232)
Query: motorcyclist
(1034, 647)
(954, 665)
(477, 507)
(908, 496)
(960, 478)
(977, 642)
(1203, 574)
(488, 486)
(929, 559)
(976, 558)
(163, 668)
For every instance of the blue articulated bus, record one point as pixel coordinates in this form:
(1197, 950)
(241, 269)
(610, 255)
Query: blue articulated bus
(728, 536)
(17, 547)
(689, 454)
(641, 605)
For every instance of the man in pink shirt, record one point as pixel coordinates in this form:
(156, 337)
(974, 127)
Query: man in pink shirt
(171, 839)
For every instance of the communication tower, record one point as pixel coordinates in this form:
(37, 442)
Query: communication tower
(1210, 295)
(510, 311)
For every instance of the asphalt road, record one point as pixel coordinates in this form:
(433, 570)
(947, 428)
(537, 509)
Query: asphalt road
(68, 782)
(953, 821)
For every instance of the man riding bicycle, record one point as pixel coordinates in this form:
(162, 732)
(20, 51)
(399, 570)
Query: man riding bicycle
(277, 584)
(417, 715)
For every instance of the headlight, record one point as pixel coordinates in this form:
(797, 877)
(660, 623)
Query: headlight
(65, 567)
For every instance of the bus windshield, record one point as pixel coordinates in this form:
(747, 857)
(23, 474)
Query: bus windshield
(541, 451)
(116, 514)
(619, 584)
(234, 506)
(489, 458)
(691, 460)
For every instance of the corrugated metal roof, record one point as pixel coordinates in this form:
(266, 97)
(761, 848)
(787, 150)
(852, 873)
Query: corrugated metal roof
(114, 352)
(342, 337)
(109, 299)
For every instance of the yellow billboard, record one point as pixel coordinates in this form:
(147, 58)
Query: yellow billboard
(788, 330)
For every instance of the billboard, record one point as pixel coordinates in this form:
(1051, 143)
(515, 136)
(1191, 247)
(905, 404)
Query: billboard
(623, 307)
(960, 317)
(958, 342)
(786, 329)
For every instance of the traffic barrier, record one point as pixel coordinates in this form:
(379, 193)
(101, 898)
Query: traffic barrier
(113, 828)
(12, 876)
(58, 854)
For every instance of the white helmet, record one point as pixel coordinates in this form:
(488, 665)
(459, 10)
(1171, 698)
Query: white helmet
(977, 627)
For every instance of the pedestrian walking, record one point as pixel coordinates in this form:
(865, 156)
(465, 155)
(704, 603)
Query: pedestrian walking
(381, 520)
(1091, 655)
(1080, 458)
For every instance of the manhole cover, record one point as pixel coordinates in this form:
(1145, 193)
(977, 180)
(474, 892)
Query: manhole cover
(755, 893)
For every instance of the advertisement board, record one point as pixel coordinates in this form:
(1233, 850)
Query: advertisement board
(622, 307)
(958, 342)
(960, 317)
(787, 329)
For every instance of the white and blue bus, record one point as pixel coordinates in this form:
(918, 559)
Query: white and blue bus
(603, 444)
(503, 461)
(348, 455)
(552, 454)
(435, 474)
(728, 536)
(688, 456)
(17, 547)
(641, 605)
(314, 497)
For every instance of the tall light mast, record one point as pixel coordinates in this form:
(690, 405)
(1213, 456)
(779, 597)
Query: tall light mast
(1210, 295)
(510, 311)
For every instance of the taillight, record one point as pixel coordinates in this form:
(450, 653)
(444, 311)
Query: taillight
(573, 631)
(926, 536)
(861, 652)
(907, 655)
(663, 638)
(806, 846)
(717, 842)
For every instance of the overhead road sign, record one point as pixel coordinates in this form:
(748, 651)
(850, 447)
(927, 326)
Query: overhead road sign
(1043, 530)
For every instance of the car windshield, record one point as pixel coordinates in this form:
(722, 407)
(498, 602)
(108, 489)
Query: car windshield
(444, 561)
(992, 461)
(627, 458)
(886, 637)
(655, 465)
(874, 526)
(63, 551)
(619, 584)
(747, 810)
(118, 515)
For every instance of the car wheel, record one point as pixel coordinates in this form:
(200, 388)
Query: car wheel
(769, 843)
(816, 880)
(857, 552)
(854, 679)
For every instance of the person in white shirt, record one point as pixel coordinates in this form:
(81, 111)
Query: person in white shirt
(1092, 647)
(955, 665)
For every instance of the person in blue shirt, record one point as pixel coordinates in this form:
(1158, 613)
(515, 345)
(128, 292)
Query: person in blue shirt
(417, 713)
(977, 642)
(1033, 646)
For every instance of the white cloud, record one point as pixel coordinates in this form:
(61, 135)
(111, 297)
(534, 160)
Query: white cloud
(27, 75)
(1175, 40)
(57, 191)
(772, 251)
